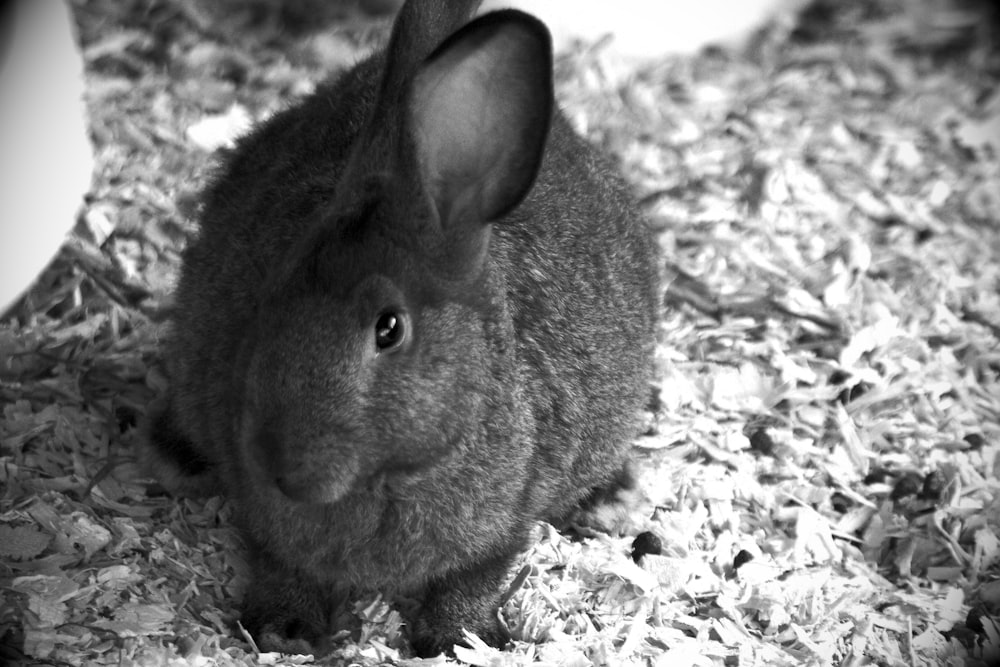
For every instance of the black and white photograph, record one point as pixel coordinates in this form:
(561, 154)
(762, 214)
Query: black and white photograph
(500, 333)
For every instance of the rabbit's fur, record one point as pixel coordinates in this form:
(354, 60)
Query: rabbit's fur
(413, 187)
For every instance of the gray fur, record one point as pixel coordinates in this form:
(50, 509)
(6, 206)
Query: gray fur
(518, 392)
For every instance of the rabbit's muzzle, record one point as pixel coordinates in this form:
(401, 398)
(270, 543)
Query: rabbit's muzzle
(305, 469)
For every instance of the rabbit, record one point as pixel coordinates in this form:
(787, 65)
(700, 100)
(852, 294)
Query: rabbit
(417, 319)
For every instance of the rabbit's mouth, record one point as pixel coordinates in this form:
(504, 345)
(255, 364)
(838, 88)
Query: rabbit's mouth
(321, 493)
(307, 480)
(318, 486)
(304, 468)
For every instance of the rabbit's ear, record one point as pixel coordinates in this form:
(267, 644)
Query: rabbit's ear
(480, 108)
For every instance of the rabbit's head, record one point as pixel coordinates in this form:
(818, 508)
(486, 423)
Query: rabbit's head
(375, 351)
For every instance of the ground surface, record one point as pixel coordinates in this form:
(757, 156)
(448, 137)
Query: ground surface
(823, 465)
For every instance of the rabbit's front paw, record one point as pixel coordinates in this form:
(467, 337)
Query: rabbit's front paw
(270, 641)
(284, 631)
(466, 600)
(429, 639)
(287, 619)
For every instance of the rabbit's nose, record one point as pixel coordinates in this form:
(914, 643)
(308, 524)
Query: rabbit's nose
(295, 489)
(305, 468)
(308, 485)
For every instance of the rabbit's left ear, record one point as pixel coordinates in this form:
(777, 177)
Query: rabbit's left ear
(479, 110)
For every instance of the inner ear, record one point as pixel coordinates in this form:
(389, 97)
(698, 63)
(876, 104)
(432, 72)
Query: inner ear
(480, 108)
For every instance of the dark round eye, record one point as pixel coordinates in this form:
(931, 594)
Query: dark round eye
(390, 331)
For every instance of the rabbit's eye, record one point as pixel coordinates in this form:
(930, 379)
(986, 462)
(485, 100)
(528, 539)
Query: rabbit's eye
(390, 331)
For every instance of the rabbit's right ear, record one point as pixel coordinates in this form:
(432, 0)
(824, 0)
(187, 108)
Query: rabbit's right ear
(479, 110)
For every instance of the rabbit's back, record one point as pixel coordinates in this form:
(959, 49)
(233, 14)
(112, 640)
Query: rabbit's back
(580, 262)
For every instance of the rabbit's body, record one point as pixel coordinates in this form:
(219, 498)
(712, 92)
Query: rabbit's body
(418, 464)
